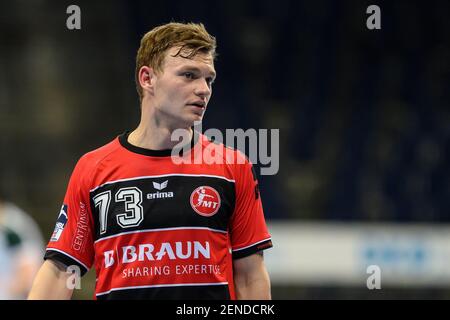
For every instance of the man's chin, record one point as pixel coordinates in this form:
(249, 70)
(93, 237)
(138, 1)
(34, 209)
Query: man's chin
(195, 119)
(192, 121)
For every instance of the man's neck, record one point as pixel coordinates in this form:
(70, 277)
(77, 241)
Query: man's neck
(156, 137)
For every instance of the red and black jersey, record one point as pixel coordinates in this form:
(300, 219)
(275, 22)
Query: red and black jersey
(156, 228)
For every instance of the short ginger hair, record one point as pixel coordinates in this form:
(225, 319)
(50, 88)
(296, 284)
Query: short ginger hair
(190, 37)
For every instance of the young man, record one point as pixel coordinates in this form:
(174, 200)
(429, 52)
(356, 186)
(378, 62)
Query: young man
(154, 228)
(21, 248)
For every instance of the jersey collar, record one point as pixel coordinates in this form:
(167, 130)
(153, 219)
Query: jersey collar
(123, 140)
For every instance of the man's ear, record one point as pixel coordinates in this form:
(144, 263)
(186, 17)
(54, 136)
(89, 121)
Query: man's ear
(147, 77)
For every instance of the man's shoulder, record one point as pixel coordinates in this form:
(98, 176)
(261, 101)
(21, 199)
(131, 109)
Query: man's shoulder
(230, 154)
(92, 158)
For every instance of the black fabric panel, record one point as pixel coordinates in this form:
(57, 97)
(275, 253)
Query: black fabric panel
(168, 212)
(123, 139)
(217, 292)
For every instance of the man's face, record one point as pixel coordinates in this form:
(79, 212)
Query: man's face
(183, 89)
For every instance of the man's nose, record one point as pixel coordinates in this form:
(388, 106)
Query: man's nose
(203, 89)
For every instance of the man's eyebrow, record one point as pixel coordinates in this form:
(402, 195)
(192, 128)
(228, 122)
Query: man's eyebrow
(195, 69)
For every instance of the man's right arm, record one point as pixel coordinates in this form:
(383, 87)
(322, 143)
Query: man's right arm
(51, 283)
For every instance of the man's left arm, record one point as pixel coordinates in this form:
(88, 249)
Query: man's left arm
(251, 279)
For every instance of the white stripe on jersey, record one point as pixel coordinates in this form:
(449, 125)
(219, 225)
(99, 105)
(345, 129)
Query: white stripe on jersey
(162, 175)
(66, 254)
(159, 230)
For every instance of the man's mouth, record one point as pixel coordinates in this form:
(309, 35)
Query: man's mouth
(199, 104)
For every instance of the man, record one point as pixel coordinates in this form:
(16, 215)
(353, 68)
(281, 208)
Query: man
(137, 215)
(21, 247)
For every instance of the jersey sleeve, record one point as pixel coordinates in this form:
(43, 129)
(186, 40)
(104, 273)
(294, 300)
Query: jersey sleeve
(72, 240)
(249, 233)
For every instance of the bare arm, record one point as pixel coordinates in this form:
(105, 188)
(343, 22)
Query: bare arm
(251, 279)
(51, 283)
(25, 270)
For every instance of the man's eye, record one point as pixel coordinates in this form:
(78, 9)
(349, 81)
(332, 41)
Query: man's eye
(189, 75)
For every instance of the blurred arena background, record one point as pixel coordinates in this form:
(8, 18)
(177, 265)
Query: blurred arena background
(364, 119)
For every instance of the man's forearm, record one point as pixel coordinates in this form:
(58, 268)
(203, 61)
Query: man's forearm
(255, 287)
(256, 290)
(50, 283)
(251, 279)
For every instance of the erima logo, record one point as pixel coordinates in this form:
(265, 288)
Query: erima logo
(160, 195)
(160, 186)
(60, 223)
